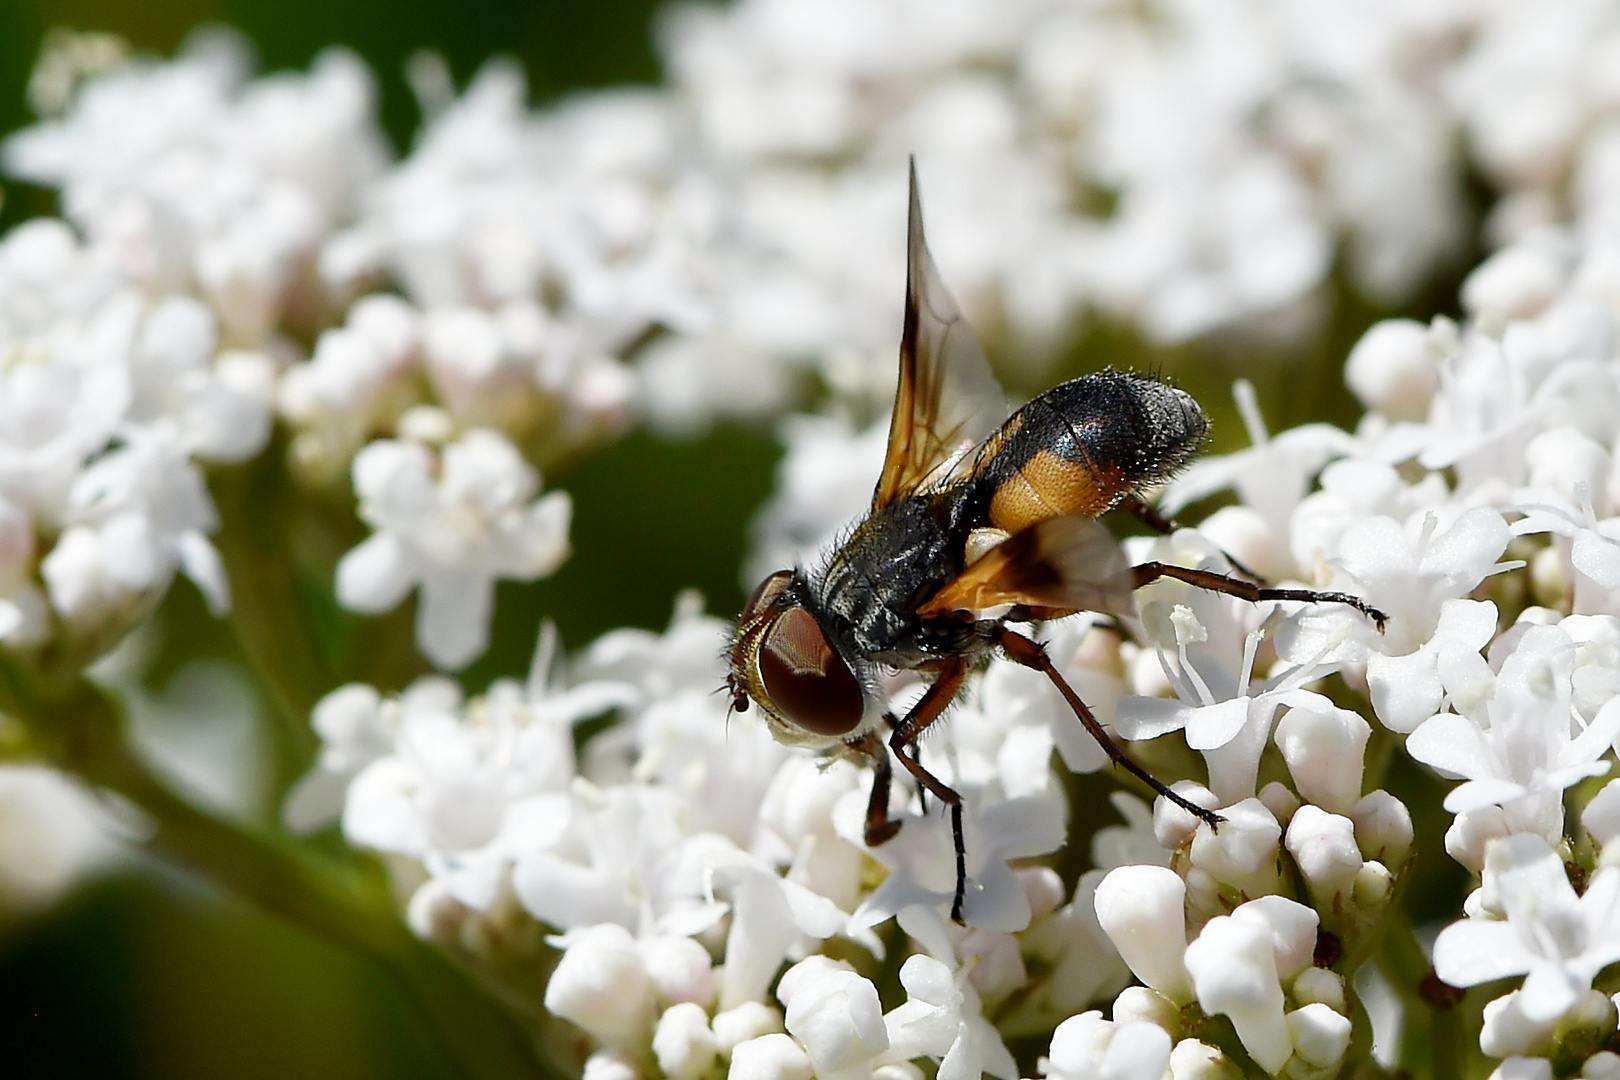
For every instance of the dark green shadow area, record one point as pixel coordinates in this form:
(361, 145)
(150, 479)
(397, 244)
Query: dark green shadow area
(652, 516)
(149, 976)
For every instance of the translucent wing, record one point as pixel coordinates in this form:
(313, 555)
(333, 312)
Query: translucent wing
(1059, 565)
(948, 399)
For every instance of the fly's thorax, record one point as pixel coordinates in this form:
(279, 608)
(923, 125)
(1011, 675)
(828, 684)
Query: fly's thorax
(810, 691)
(871, 586)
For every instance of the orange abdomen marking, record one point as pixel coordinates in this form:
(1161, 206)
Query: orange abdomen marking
(1049, 485)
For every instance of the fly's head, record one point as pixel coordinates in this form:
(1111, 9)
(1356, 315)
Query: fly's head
(784, 660)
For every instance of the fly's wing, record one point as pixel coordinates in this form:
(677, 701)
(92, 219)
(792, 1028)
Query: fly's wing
(948, 399)
(1062, 564)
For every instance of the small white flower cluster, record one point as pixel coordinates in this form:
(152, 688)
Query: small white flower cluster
(111, 397)
(1180, 165)
(685, 857)
(214, 209)
(199, 181)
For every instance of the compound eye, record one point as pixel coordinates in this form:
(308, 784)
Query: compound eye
(808, 681)
(765, 595)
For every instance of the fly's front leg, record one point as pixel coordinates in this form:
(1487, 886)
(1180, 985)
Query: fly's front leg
(930, 707)
(1248, 590)
(880, 829)
(1031, 654)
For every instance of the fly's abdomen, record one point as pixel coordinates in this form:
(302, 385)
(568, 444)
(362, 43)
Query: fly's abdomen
(1081, 447)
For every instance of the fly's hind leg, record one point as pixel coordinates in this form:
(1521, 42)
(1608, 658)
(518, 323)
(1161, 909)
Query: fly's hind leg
(1150, 516)
(1031, 654)
(930, 707)
(1248, 590)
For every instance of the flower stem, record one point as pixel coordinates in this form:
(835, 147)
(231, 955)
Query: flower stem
(83, 731)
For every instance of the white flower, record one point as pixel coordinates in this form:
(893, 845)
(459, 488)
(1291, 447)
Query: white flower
(1394, 369)
(601, 984)
(1235, 974)
(140, 512)
(1517, 743)
(1087, 1047)
(1141, 910)
(452, 525)
(1558, 940)
(196, 177)
(355, 382)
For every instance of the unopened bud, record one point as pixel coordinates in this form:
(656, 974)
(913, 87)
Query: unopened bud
(1322, 985)
(1194, 1060)
(601, 984)
(1280, 801)
(1383, 828)
(1243, 854)
(1321, 1036)
(1142, 1005)
(1174, 826)
(683, 1044)
(1142, 910)
(1324, 748)
(1234, 972)
(680, 969)
(1292, 926)
(747, 1021)
(1324, 847)
(770, 1057)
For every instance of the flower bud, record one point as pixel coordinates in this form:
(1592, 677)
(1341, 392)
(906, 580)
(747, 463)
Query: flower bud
(747, 1021)
(1515, 283)
(833, 1012)
(1234, 972)
(1469, 833)
(1372, 886)
(1292, 926)
(1087, 1046)
(1393, 370)
(610, 1063)
(601, 984)
(1321, 1036)
(1602, 815)
(1507, 1031)
(1324, 748)
(1173, 826)
(1138, 1004)
(770, 1057)
(683, 1044)
(1043, 888)
(680, 969)
(1324, 847)
(1243, 854)
(1193, 1060)
(1280, 801)
(1604, 1065)
(1316, 984)
(433, 914)
(1383, 828)
(1142, 910)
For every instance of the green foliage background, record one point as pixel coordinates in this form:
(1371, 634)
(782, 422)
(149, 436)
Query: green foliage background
(156, 974)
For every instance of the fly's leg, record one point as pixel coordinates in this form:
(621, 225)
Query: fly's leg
(1031, 654)
(930, 707)
(1164, 526)
(1248, 590)
(879, 828)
